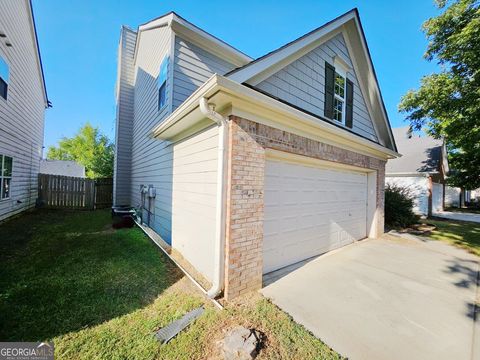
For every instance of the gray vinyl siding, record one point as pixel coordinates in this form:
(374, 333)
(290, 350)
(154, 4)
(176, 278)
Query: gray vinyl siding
(22, 114)
(302, 83)
(151, 159)
(193, 66)
(123, 129)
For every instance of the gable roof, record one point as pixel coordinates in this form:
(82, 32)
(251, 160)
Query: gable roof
(197, 36)
(422, 155)
(39, 57)
(349, 24)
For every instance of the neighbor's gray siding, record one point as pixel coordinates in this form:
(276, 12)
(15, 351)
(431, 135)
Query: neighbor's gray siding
(193, 66)
(22, 114)
(302, 83)
(123, 128)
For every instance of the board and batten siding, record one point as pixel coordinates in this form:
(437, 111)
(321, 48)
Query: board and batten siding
(193, 66)
(22, 114)
(123, 128)
(302, 83)
(194, 199)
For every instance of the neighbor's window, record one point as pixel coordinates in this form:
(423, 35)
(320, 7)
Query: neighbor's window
(162, 84)
(339, 99)
(4, 72)
(6, 164)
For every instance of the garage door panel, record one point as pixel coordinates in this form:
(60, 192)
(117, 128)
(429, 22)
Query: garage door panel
(309, 211)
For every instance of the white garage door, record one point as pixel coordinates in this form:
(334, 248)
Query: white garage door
(437, 198)
(309, 211)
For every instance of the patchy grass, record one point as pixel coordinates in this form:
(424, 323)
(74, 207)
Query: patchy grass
(101, 294)
(459, 233)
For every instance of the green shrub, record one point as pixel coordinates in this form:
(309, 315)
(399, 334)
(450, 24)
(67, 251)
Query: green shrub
(399, 206)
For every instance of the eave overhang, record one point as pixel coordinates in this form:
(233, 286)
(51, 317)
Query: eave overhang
(232, 98)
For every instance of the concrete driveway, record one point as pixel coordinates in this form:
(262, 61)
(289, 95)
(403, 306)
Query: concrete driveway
(462, 216)
(391, 298)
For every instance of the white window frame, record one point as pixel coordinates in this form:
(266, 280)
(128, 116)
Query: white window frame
(4, 75)
(165, 62)
(2, 178)
(340, 73)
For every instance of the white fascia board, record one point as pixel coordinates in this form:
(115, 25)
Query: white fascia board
(411, 174)
(244, 75)
(209, 42)
(33, 33)
(239, 99)
(372, 76)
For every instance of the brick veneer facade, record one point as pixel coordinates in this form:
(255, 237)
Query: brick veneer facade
(245, 194)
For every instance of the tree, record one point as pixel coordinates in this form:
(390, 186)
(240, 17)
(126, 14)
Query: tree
(88, 147)
(447, 104)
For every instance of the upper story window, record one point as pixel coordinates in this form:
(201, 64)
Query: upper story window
(6, 165)
(339, 97)
(162, 84)
(338, 103)
(4, 74)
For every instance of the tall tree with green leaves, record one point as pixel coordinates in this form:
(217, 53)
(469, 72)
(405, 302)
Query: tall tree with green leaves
(447, 104)
(90, 148)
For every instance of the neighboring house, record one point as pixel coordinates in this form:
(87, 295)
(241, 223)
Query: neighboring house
(422, 168)
(247, 166)
(452, 196)
(62, 167)
(23, 99)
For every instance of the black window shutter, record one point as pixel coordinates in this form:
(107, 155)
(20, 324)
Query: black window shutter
(349, 105)
(329, 84)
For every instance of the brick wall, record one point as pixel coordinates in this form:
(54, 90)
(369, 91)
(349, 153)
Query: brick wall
(244, 235)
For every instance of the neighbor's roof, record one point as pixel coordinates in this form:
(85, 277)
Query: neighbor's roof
(62, 167)
(420, 154)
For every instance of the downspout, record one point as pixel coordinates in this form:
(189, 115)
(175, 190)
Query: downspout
(218, 277)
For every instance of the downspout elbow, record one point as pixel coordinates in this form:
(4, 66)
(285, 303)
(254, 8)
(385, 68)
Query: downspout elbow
(218, 278)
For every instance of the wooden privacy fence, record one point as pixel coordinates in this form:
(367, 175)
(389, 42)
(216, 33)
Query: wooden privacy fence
(66, 192)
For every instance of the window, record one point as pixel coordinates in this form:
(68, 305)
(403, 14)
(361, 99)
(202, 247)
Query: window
(339, 98)
(4, 73)
(162, 84)
(6, 165)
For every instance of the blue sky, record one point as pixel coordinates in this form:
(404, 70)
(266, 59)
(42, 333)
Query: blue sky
(79, 38)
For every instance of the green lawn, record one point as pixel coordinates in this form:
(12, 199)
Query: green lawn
(459, 233)
(101, 294)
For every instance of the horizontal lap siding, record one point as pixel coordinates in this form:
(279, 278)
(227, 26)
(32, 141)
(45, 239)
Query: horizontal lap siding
(123, 130)
(151, 159)
(194, 199)
(22, 114)
(302, 83)
(193, 66)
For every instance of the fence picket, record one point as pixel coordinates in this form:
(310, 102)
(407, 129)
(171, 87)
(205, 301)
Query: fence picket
(65, 192)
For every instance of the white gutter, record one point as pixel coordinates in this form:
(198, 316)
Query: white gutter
(218, 276)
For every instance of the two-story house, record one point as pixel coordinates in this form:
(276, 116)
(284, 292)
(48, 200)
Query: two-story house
(245, 166)
(23, 100)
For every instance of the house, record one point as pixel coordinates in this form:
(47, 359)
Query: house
(23, 100)
(244, 166)
(423, 168)
(62, 167)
